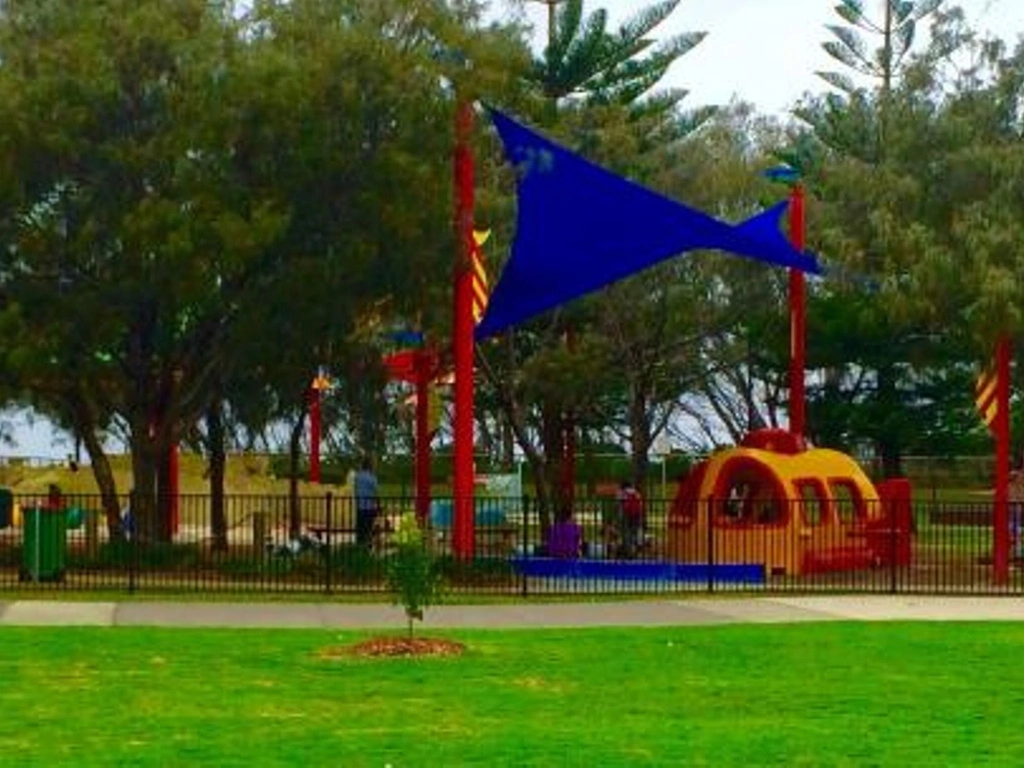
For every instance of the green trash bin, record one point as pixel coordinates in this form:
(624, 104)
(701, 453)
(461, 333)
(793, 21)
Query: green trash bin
(45, 544)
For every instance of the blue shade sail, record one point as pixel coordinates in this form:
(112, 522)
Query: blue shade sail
(580, 228)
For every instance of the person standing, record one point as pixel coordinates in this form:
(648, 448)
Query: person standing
(631, 508)
(364, 487)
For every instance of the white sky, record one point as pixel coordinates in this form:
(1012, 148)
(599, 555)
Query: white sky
(762, 51)
(766, 51)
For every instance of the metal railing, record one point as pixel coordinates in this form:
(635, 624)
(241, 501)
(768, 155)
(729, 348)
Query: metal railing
(315, 544)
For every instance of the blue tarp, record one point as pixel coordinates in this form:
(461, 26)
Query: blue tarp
(620, 570)
(580, 228)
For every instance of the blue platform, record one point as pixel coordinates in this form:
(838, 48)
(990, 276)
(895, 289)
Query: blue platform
(628, 570)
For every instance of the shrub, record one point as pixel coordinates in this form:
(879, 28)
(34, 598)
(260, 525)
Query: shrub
(413, 573)
(126, 554)
(354, 563)
(481, 571)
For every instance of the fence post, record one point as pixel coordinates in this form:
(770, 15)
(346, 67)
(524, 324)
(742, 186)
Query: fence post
(524, 588)
(328, 555)
(708, 503)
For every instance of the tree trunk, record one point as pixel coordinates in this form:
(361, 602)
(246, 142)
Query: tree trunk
(142, 421)
(217, 459)
(639, 437)
(295, 448)
(508, 446)
(143, 492)
(164, 497)
(517, 424)
(890, 445)
(540, 488)
(892, 459)
(508, 436)
(105, 482)
(85, 433)
(553, 444)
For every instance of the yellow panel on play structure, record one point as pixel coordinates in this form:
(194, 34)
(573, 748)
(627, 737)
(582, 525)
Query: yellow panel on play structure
(774, 502)
(814, 464)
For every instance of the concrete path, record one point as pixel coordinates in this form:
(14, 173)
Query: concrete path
(637, 613)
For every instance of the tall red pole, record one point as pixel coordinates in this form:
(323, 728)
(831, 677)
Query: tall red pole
(1001, 510)
(797, 317)
(314, 435)
(463, 534)
(422, 470)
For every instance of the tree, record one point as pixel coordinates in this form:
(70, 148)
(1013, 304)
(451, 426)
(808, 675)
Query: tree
(862, 161)
(413, 574)
(220, 197)
(369, 242)
(129, 202)
(897, 31)
(922, 229)
(583, 59)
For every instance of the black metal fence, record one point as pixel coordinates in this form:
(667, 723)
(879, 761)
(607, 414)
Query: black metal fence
(270, 544)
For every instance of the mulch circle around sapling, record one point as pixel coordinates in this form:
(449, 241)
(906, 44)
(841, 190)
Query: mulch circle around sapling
(396, 647)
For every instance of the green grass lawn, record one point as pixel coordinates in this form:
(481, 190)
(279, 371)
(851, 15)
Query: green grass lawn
(826, 694)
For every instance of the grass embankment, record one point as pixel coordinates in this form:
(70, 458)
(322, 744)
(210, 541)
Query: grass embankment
(828, 694)
(245, 475)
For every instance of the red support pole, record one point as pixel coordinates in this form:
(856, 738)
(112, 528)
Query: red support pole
(463, 534)
(1001, 509)
(797, 317)
(314, 435)
(423, 376)
(174, 475)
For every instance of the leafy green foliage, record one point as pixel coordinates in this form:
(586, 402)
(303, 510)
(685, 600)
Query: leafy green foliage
(203, 204)
(912, 211)
(413, 573)
(586, 59)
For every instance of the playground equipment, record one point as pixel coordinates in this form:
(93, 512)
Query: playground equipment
(579, 228)
(774, 502)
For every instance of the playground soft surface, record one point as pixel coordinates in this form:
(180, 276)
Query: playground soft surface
(825, 694)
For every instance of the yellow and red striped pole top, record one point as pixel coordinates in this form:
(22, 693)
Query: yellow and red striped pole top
(480, 292)
(986, 397)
